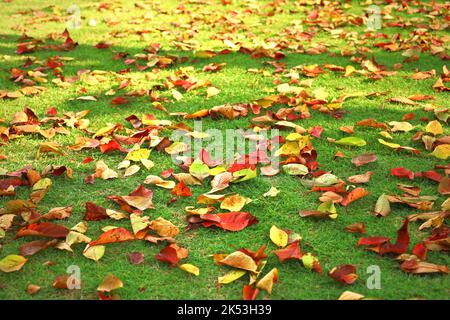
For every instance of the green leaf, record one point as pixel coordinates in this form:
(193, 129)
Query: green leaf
(243, 175)
(351, 141)
(199, 170)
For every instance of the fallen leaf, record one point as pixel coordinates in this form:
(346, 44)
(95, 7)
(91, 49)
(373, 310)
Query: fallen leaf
(349, 295)
(402, 173)
(344, 273)
(231, 276)
(234, 203)
(112, 236)
(12, 263)
(172, 254)
(190, 268)
(94, 253)
(32, 289)
(364, 159)
(354, 195)
(110, 283)
(266, 283)
(240, 260)
(382, 206)
(278, 236)
(292, 251)
(351, 141)
(136, 257)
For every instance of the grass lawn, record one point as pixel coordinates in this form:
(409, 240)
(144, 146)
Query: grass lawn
(131, 27)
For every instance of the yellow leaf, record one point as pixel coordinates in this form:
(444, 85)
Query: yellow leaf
(234, 203)
(211, 92)
(137, 155)
(131, 170)
(190, 268)
(273, 192)
(138, 223)
(401, 126)
(176, 95)
(389, 144)
(349, 70)
(116, 215)
(46, 147)
(12, 263)
(385, 134)
(266, 283)
(164, 227)
(231, 276)
(278, 236)
(198, 135)
(80, 227)
(148, 164)
(442, 151)
(176, 147)
(240, 260)
(434, 127)
(349, 295)
(76, 237)
(94, 253)
(289, 148)
(166, 184)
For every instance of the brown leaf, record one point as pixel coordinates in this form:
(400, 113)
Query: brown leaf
(110, 283)
(94, 212)
(136, 257)
(360, 178)
(364, 159)
(44, 229)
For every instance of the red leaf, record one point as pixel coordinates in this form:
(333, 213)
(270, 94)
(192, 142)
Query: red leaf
(103, 45)
(30, 248)
(61, 282)
(372, 241)
(431, 175)
(181, 190)
(172, 254)
(87, 160)
(166, 173)
(317, 131)
(44, 229)
(136, 257)
(357, 227)
(344, 273)
(420, 251)
(292, 251)
(383, 246)
(402, 173)
(205, 157)
(94, 212)
(257, 255)
(231, 221)
(110, 146)
(249, 292)
(119, 100)
(51, 112)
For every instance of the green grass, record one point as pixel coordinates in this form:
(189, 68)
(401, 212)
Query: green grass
(327, 238)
